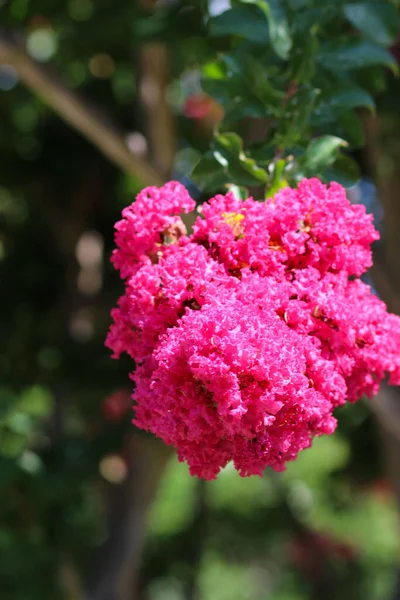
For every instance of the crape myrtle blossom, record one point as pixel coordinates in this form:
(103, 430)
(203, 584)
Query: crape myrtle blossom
(250, 331)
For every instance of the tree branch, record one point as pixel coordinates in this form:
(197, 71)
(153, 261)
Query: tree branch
(153, 86)
(115, 575)
(74, 111)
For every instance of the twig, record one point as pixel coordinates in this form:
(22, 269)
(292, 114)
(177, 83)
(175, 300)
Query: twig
(74, 111)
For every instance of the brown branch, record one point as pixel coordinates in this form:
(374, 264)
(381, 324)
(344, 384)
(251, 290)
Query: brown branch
(115, 576)
(382, 161)
(70, 581)
(387, 410)
(382, 158)
(74, 111)
(153, 86)
(385, 272)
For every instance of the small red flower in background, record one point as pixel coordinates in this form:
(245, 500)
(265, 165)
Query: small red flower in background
(116, 405)
(196, 106)
(382, 490)
(201, 107)
(308, 552)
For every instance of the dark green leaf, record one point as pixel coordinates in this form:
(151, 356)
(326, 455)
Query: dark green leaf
(309, 18)
(346, 99)
(297, 117)
(250, 73)
(378, 21)
(241, 84)
(278, 178)
(304, 61)
(241, 193)
(245, 107)
(228, 151)
(227, 163)
(279, 32)
(242, 21)
(350, 128)
(222, 90)
(208, 174)
(355, 55)
(345, 171)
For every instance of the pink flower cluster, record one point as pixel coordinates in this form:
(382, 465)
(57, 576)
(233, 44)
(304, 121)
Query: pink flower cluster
(249, 332)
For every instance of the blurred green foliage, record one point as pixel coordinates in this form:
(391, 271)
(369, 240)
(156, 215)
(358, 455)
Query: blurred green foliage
(254, 546)
(326, 528)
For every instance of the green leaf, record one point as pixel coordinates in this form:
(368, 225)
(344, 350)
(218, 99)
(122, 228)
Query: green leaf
(321, 152)
(279, 32)
(214, 70)
(222, 90)
(240, 193)
(246, 22)
(345, 171)
(307, 18)
(227, 163)
(278, 179)
(241, 84)
(278, 27)
(356, 55)
(348, 127)
(345, 99)
(297, 116)
(351, 128)
(244, 171)
(207, 173)
(255, 74)
(245, 107)
(263, 152)
(378, 21)
(303, 63)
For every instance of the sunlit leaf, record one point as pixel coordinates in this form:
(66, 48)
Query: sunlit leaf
(228, 150)
(321, 152)
(279, 32)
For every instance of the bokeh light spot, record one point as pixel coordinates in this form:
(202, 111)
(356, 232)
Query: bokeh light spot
(113, 468)
(80, 10)
(101, 66)
(41, 44)
(8, 78)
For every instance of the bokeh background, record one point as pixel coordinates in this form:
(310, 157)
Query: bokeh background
(90, 508)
